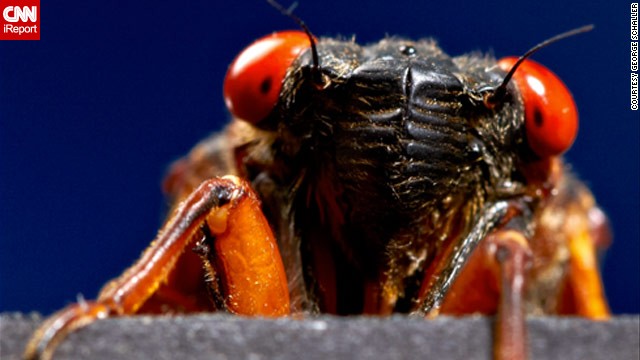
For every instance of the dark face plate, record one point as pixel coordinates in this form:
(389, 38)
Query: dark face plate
(394, 152)
(401, 123)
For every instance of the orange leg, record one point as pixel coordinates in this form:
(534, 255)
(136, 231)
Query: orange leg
(247, 262)
(583, 293)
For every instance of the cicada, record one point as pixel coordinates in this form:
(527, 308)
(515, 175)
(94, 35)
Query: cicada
(377, 179)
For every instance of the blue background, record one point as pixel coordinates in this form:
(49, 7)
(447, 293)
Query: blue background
(92, 115)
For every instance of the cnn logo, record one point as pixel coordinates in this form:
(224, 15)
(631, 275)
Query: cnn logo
(20, 20)
(15, 13)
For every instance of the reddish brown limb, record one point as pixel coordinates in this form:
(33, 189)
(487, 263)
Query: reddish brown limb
(246, 254)
(513, 257)
(485, 272)
(53, 330)
(493, 281)
(247, 257)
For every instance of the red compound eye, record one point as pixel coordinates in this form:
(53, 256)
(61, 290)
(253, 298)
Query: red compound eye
(254, 79)
(551, 117)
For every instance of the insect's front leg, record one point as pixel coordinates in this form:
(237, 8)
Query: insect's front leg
(494, 281)
(488, 276)
(245, 259)
(510, 250)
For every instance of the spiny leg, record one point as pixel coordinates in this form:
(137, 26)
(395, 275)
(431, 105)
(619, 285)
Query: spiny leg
(246, 258)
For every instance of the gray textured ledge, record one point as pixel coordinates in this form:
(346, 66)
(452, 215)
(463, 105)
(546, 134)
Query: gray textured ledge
(228, 337)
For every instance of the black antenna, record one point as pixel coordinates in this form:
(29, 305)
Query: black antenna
(499, 92)
(314, 51)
